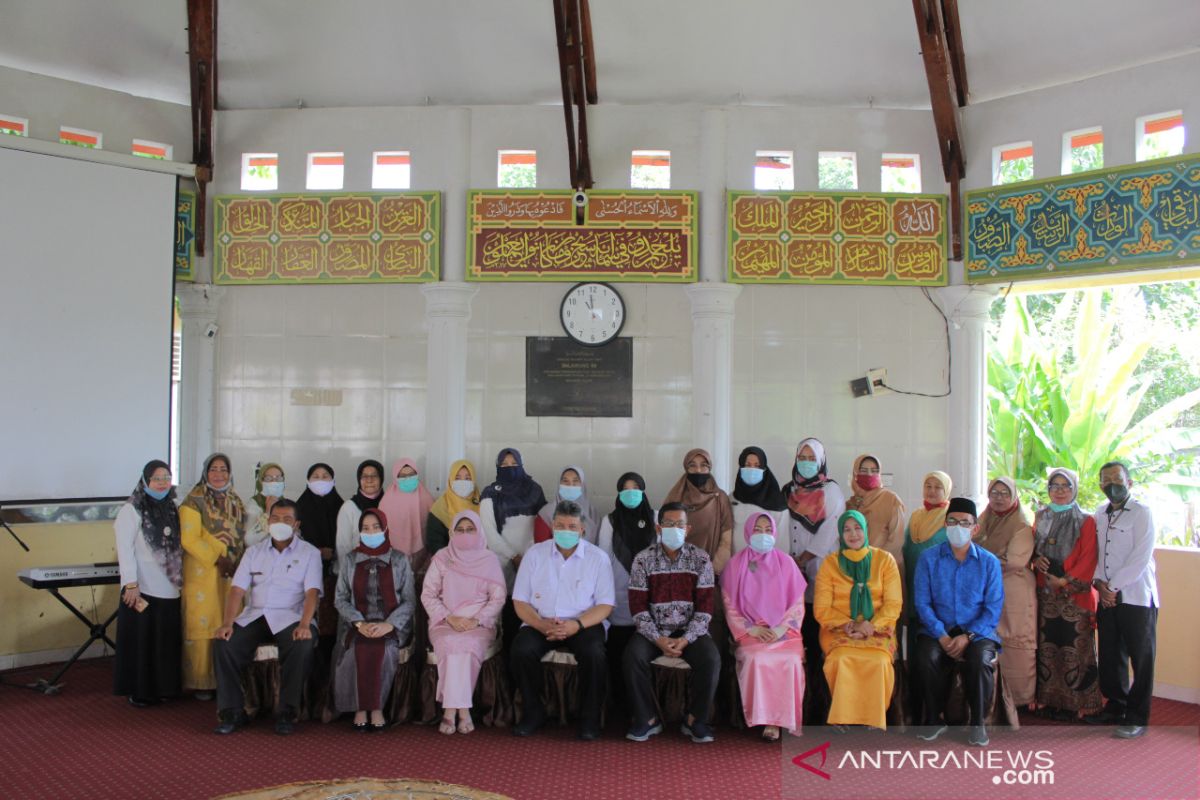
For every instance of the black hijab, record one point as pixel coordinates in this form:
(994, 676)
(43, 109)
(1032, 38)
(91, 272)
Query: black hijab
(633, 528)
(766, 494)
(318, 514)
(514, 493)
(160, 524)
(361, 500)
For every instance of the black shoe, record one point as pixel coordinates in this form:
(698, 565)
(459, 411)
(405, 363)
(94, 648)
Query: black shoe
(1104, 717)
(930, 733)
(1129, 732)
(231, 720)
(360, 727)
(528, 726)
(978, 737)
(285, 723)
(698, 732)
(589, 733)
(137, 702)
(642, 731)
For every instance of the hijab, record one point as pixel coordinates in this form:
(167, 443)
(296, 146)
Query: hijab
(1058, 531)
(465, 563)
(408, 510)
(763, 585)
(383, 523)
(514, 494)
(221, 513)
(633, 528)
(588, 517)
(448, 506)
(996, 529)
(318, 514)
(806, 496)
(856, 565)
(766, 493)
(870, 501)
(358, 498)
(262, 469)
(927, 521)
(708, 509)
(160, 524)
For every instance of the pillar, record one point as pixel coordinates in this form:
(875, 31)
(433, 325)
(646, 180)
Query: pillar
(447, 312)
(199, 304)
(966, 435)
(712, 200)
(454, 195)
(712, 373)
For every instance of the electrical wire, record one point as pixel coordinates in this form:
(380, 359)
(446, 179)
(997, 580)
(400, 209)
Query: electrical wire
(949, 354)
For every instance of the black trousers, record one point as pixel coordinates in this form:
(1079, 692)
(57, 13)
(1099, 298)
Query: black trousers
(701, 655)
(932, 673)
(525, 660)
(1127, 637)
(614, 648)
(233, 656)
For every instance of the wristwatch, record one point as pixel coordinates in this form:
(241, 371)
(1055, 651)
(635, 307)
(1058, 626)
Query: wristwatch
(970, 636)
(581, 625)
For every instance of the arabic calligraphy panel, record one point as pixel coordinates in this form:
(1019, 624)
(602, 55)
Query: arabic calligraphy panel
(185, 234)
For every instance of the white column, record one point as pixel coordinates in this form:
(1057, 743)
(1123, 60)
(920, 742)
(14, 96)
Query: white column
(966, 434)
(447, 312)
(712, 373)
(712, 199)
(198, 307)
(454, 196)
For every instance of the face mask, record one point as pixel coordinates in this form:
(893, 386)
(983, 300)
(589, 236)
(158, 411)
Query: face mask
(320, 488)
(672, 538)
(157, 495)
(1061, 508)
(958, 537)
(372, 540)
(566, 539)
(462, 488)
(1116, 492)
(570, 492)
(280, 531)
(408, 484)
(698, 479)
(807, 469)
(631, 498)
(751, 476)
(869, 482)
(510, 473)
(222, 490)
(762, 542)
(273, 489)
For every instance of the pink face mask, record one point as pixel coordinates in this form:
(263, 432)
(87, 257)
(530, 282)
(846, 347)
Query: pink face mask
(869, 482)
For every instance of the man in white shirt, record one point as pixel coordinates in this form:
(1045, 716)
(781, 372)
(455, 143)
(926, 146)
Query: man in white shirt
(1128, 612)
(563, 595)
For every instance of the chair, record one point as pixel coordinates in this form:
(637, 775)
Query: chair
(560, 687)
(672, 688)
(1001, 711)
(492, 703)
(402, 701)
(260, 685)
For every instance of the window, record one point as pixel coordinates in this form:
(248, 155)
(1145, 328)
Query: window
(81, 137)
(1083, 150)
(325, 171)
(1160, 136)
(837, 171)
(13, 126)
(650, 169)
(774, 171)
(517, 169)
(260, 172)
(1012, 163)
(900, 172)
(155, 150)
(392, 170)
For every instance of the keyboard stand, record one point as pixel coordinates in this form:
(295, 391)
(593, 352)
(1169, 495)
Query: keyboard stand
(96, 632)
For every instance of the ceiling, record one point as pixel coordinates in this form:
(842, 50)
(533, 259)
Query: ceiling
(275, 53)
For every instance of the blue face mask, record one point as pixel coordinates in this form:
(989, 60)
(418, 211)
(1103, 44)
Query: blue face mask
(762, 542)
(751, 476)
(570, 492)
(372, 540)
(157, 495)
(672, 538)
(408, 484)
(807, 469)
(566, 539)
(631, 498)
(1060, 508)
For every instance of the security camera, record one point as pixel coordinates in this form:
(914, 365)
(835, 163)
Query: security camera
(210, 330)
(580, 199)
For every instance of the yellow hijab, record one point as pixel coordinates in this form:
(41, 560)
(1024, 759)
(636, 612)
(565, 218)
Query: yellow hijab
(450, 505)
(925, 522)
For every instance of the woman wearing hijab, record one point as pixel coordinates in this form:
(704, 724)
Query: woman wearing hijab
(814, 501)
(376, 599)
(624, 532)
(572, 485)
(406, 503)
(463, 595)
(858, 603)
(318, 507)
(1065, 555)
(763, 591)
(462, 494)
(1005, 533)
(507, 508)
(149, 643)
(926, 529)
(212, 526)
(882, 508)
(755, 490)
(708, 509)
(369, 477)
(268, 487)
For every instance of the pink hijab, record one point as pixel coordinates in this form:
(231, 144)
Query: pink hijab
(406, 511)
(763, 586)
(465, 564)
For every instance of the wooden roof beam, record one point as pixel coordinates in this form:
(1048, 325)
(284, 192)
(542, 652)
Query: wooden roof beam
(202, 71)
(577, 73)
(954, 46)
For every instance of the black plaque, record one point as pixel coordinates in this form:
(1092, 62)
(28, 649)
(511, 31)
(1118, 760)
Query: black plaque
(566, 379)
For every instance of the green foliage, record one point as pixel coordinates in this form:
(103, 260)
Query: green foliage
(643, 176)
(518, 176)
(1087, 157)
(1015, 170)
(898, 179)
(836, 172)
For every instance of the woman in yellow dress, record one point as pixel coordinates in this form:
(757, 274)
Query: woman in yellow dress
(857, 602)
(212, 523)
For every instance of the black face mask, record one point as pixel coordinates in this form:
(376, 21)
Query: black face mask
(699, 479)
(1117, 493)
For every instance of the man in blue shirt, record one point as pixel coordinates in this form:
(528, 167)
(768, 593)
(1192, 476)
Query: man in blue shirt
(958, 593)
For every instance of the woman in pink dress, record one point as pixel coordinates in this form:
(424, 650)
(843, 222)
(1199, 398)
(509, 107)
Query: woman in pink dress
(764, 605)
(463, 594)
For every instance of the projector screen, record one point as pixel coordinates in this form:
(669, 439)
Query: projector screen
(87, 287)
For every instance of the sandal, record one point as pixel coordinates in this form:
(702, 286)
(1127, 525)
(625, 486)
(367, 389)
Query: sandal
(466, 725)
(447, 726)
(770, 733)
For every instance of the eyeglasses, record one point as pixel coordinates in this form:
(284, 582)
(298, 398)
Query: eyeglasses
(1059, 487)
(160, 479)
(999, 494)
(868, 470)
(959, 523)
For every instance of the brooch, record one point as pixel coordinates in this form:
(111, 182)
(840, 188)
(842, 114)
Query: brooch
(641, 523)
(753, 566)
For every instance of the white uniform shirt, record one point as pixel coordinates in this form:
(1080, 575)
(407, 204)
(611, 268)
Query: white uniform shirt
(137, 561)
(564, 588)
(1125, 552)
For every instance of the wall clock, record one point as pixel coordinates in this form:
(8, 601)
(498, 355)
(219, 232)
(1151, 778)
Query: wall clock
(592, 313)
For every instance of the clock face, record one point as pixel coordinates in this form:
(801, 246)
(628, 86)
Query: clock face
(592, 313)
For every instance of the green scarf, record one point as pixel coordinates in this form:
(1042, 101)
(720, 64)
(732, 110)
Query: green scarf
(857, 567)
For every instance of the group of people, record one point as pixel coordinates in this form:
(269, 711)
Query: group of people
(811, 597)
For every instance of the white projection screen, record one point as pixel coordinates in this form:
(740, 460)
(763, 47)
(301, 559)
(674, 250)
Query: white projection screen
(86, 294)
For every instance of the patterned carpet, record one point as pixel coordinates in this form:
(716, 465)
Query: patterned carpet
(365, 788)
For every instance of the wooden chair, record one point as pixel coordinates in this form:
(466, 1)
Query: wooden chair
(492, 704)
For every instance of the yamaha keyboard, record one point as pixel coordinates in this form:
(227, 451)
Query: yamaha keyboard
(71, 575)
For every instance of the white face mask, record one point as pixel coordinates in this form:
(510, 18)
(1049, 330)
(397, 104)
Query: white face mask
(462, 488)
(272, 489)
(762, 542)
(280, 531)
(958, 537)
(320, 488)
